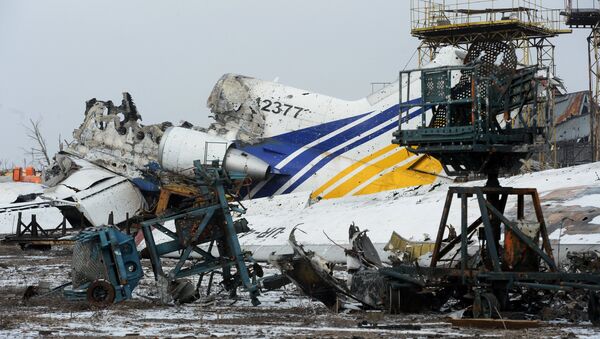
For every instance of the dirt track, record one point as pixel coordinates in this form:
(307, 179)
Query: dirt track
(283, 313)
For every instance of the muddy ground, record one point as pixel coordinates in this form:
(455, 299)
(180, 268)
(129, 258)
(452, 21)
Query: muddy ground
(284, 313)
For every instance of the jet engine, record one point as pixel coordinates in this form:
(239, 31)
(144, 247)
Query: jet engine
(179, 147)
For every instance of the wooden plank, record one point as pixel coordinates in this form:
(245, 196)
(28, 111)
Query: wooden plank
(496, 323)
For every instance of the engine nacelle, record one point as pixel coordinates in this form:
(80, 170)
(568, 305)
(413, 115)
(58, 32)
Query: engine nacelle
(180, 147)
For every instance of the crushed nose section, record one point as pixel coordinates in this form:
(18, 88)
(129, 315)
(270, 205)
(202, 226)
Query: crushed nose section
(235, 110)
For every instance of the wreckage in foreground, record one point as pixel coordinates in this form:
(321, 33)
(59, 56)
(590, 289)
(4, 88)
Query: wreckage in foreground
(467, 135)
(107, 265)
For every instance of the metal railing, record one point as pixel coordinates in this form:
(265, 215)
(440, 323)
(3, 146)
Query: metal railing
(436, 13)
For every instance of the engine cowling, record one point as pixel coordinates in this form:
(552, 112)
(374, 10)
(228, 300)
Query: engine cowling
(180, 147)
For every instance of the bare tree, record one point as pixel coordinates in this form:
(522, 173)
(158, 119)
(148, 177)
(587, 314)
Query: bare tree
(40, 152)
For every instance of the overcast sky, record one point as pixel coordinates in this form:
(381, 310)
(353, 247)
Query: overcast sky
(55, 55)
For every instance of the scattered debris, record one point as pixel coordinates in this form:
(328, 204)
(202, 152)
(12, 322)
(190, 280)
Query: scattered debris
(313, 275)
(405, 251)
(583, 262)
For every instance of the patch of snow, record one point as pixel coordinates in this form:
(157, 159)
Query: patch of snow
(592, 200)
(10, 191)
(414, 213)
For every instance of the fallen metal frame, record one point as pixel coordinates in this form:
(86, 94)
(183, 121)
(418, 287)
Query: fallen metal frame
(553, 279)
(494, 279)
(487, 210)
(33, 234)
(212, 178)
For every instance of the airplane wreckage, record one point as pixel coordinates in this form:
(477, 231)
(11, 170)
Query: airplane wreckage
(292, 155)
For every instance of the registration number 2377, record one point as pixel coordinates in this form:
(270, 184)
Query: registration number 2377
(277, 107)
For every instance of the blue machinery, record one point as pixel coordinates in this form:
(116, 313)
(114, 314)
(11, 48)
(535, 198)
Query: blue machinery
(107, 267)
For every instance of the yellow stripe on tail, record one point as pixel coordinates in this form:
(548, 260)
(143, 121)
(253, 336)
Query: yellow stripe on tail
(351, 168)
(420, 171)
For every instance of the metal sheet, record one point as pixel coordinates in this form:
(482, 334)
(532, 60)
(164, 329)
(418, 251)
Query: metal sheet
(85, 178)
(116, 195)
(10, 191)
(59, 192)
(576, 128)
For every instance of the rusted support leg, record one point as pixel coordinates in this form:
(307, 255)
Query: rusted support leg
(440, 236)
(33, 226)
(489, 234)
(543, 231)
(520, 207)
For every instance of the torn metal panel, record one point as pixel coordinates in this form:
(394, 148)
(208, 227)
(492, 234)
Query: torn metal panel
(313, 282)
(115, 195)
(405, 250)
(362, 248)
(96, 191)
(85, 178)
(362, 261)
(59, 192)
(62, 167)
(313, 275)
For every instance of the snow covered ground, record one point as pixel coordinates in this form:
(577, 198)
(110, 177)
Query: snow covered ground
(283, 313)
(572, 194)
(414, 213)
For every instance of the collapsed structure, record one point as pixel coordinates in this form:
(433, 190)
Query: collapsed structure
(481, 112)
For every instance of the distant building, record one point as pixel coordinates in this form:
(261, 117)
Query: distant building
(572, 129)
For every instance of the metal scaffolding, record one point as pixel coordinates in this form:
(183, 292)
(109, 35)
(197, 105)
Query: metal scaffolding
(439, 23)
(525, 24)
